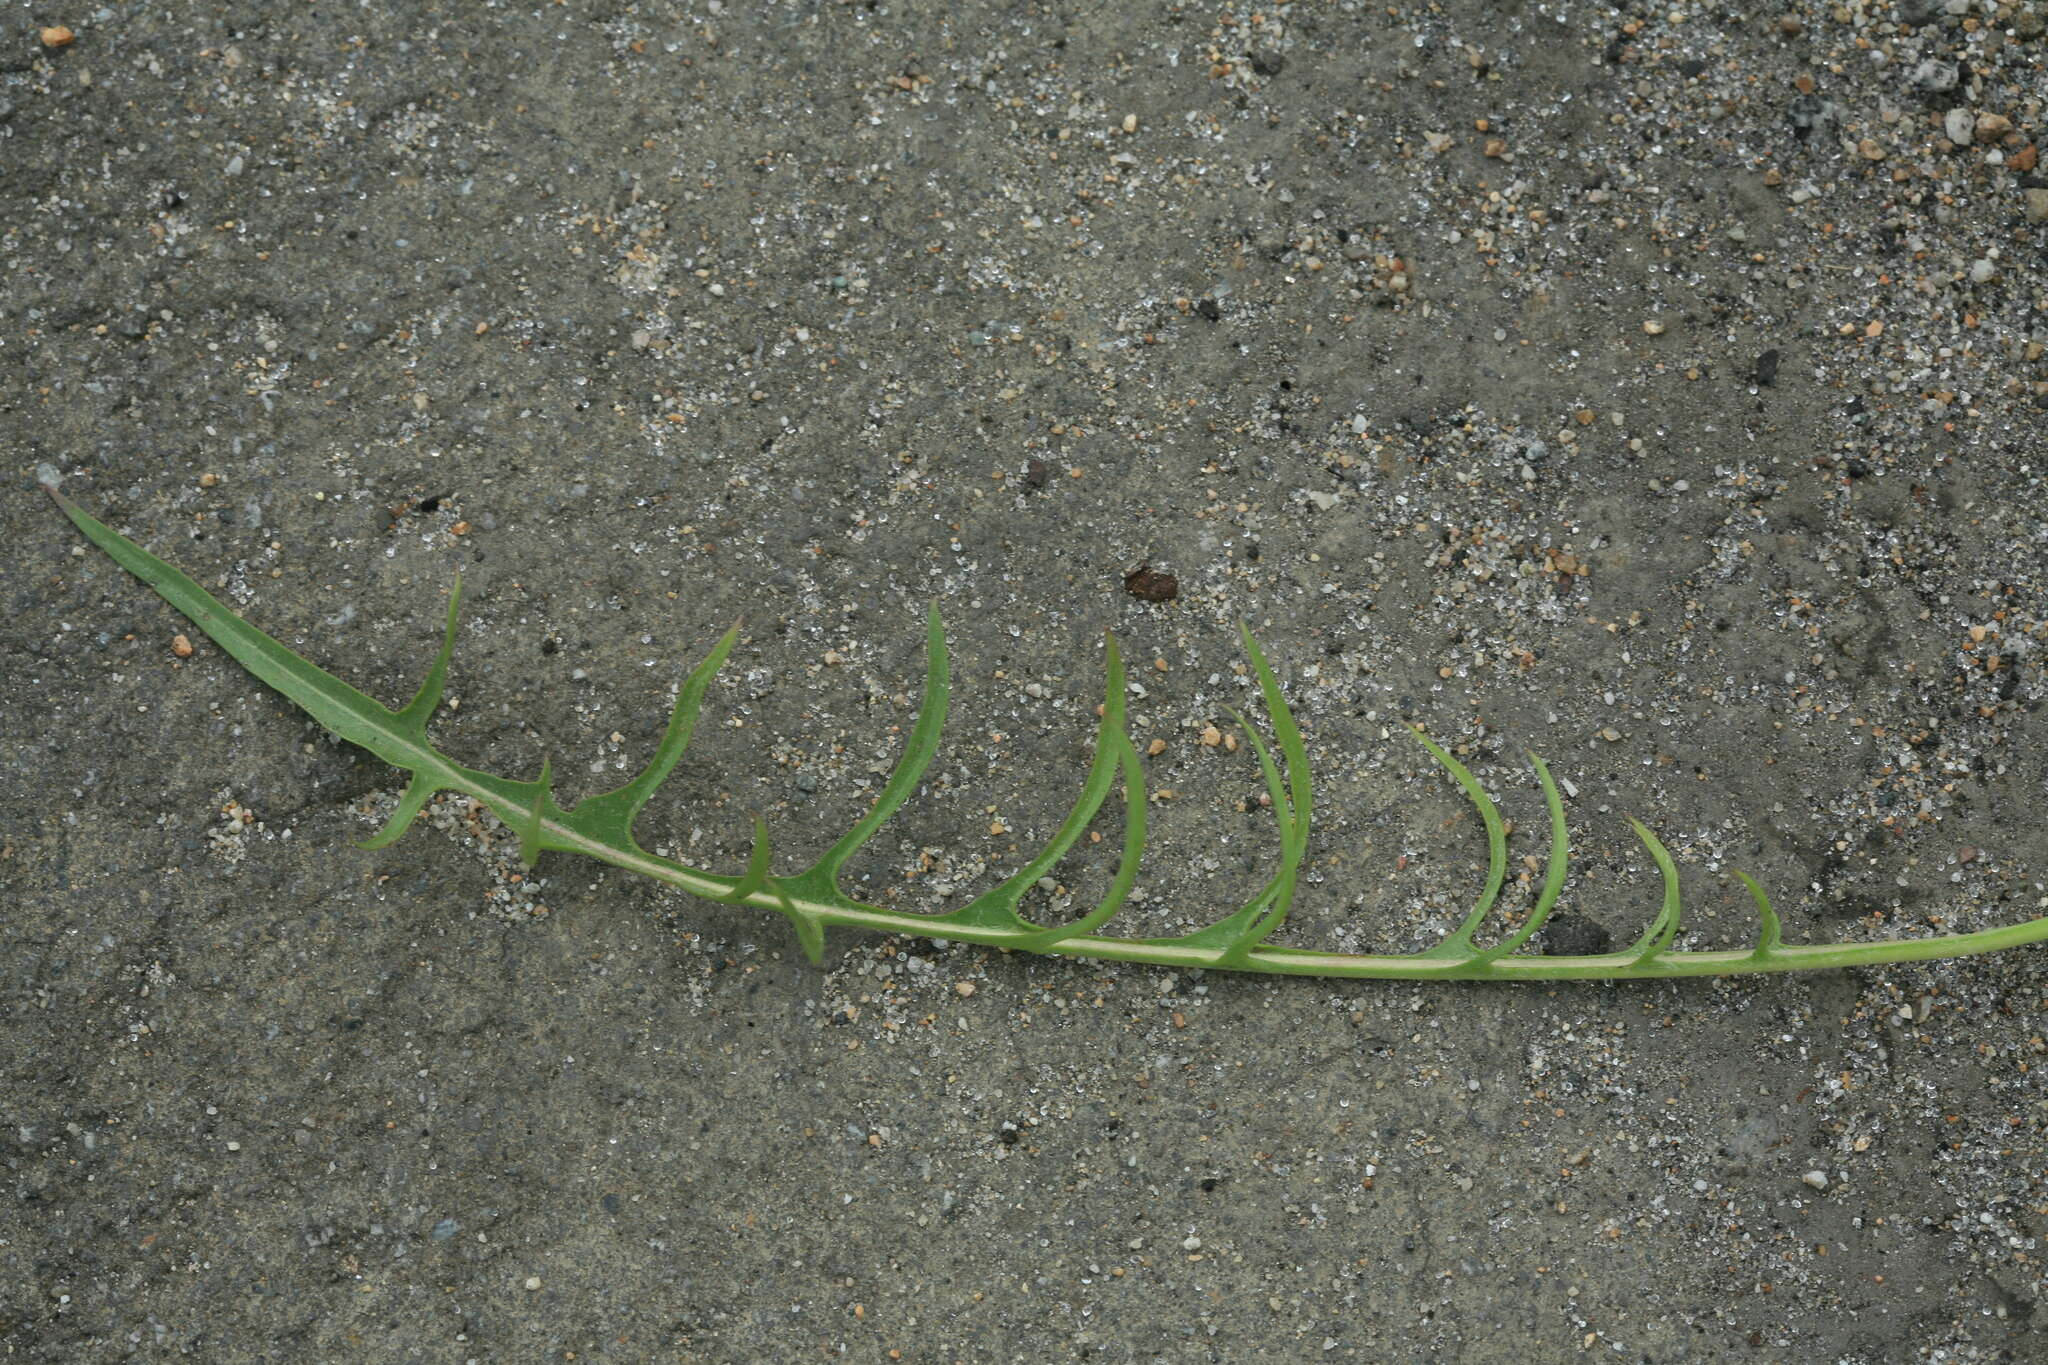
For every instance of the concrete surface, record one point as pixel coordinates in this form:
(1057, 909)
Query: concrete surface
(1659, 387)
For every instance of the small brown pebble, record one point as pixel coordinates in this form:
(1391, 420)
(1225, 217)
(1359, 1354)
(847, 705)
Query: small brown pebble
(1211, 737)
(2025, 158)
(1991, 127)
(1790, 26)
(1155, 748)
(1869, 150)
(1774, 177)
(963, 989)
(181, 646)
(1148, 586)
(460, 528)
(56, 35)
(1966, 855)
(208, 480)
(1496, 148)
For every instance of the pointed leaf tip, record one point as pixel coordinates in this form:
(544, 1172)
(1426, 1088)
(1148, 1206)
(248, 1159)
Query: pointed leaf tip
(811, 934)
(998, 905)
(1771, 930)
(1664, 928)
(756, 875)
(1553, 878)
(421, 708)
(530, 845)
(917, 755)
(411, 802)
(614, 811)
(1459, 941)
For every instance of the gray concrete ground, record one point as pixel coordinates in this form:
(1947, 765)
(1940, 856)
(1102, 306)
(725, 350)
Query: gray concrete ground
(1660, 387)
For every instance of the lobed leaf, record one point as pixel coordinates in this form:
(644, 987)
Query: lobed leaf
(601, 827)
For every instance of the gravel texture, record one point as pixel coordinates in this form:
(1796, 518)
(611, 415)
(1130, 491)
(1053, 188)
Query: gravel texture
(1659, 387)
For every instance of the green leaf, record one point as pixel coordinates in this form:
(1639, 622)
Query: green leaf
(1127, 865)
(609, 816)
(348, 714)
(996, 908)
(421, 707)
(1553, 878)
(532, 837)
(341, 710)
(1459, 941)
(418, 792)
(808, 923)
(822, 877)
(1771, 934)
(1239, 930)
(756, 875)
(1664, 928)
(1260, 917)
(601, 828)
